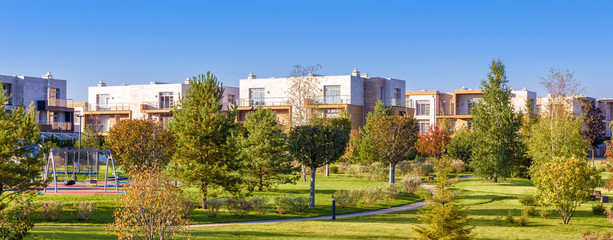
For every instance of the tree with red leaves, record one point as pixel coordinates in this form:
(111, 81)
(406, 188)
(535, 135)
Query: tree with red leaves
(434, 142)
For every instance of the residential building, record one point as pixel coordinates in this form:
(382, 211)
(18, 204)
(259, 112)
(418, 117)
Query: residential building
(433, 106)
(48, 96)
(606, 106)
(107, 105)
(357, 94)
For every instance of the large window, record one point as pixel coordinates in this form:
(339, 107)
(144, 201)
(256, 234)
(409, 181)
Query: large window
(166, 100)
(424, 125)
(332, 94)
(397, 94)
(423, 107)
(257, 97)
(470, 104)
(102, 101)
(7, 92)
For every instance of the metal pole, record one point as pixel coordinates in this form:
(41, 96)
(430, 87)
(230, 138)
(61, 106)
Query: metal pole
(106, 173)
(333, 210)
(115, 174)
(54, 173)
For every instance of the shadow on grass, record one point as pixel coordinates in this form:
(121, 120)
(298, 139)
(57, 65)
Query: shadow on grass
(264, 234)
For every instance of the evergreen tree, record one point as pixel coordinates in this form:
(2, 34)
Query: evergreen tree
(89, 140)
(363, 152)
(204, 153)
(262, 151)
(461, 147)
(497, 147)
(594, 124)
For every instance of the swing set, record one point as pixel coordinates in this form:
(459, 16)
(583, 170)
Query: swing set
(68, 165)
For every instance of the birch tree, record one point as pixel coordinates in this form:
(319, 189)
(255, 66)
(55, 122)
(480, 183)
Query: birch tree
(303, 90)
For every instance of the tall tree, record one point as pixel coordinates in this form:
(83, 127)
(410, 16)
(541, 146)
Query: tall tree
(315, 146)
(461, 147)
(496, 125)
(342, 122)
(594, 124)
(140, 143)
(203, 154)
(89, 140)
(303, 89)
(363, 152)
(434, 142)
(393, 139)
(263, 151)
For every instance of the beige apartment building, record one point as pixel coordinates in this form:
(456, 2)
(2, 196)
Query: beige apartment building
(431, 107)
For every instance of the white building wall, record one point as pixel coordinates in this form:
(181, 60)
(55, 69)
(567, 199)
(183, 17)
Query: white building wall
(432, 99)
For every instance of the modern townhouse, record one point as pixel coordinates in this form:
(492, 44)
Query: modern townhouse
(357, 94)
(49, 98)
(431, 107)
(107, 105)
(606, 106)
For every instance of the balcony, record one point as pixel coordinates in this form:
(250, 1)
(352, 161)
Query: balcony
(464, 111)
(267, 102)
(56, 127)
(331, 100)
(92, 107)
(54, 102)
(146, 106)
(400, 103)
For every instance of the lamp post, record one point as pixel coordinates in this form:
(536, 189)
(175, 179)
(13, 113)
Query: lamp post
(80, 127)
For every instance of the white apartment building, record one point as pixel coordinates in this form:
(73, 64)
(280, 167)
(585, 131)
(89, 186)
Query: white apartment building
(48, 96)
(356, 93)
(107, 105)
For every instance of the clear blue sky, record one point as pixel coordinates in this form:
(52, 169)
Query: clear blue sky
(439, 45)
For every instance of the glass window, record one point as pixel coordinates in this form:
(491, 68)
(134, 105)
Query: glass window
(257, 97)
(166, 100)
(382, 94)
(423, 107)
(7, 92)
(102, 101)
(331, 113)
(397, 93)
(424, 125)
(231, 99)
(332, 94)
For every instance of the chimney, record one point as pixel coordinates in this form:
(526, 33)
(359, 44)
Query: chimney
(463, 88)
(355, 72)
(101, 84)
(48, 76)
(251, 76)
(364, 75)
(187, 81)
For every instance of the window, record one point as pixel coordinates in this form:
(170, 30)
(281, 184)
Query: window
(256, 97)
(102, 101)
(471, 103)
(7, 92)
(382, 94)
(166, 100)
(231, 99)
(423, 107)
(424, 125)
(331, 113)
(332, 94)
(397, 93)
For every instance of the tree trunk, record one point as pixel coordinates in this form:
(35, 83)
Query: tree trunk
(327, 170)
(392, 172)
(260, 183)
(303, 173)
(495, 177)
(312, 190)
(593, 149)
(203, 190)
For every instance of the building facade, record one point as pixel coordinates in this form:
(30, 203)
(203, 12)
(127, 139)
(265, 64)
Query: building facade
(357, 94)
(107, 105)
(48, 96)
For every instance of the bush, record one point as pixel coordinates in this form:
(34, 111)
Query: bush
(390, 191)
(189, 207)
(299, 203)
(371, 195)
(52, 210)
(410, 183)
(403, 168)
(589, 235)
(21, 208)
(212, 207)
(422, 168)
(528, 200)
(545, 213)
(259, 206)
(510, 218)
(238, 207)
(522, 221)
(344, 198)
(282, 204)
(529, 211)
(84, 210)
(458, 165)
(334, 169)
(598, 209)
(609, 216)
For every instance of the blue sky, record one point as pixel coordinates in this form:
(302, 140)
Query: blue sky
(439, 45)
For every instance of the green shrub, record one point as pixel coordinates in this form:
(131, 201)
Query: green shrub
(52, 210)
(522, 221)
(212, 207)
(609, 216)
(390, 191)
(356, 194)
(528, 200)
(344, 198)
(259, 205)
(371, 195)
(411, 183)
(422, 168)
(596, 235)
(510, 218)
(545, 213)
(598, 209)
(84, 210)
(283, 204)
(334, 169)
(21, 208)
(238, 207)
(299, 203)
(403, 168)
(458, 166)
(529, 211)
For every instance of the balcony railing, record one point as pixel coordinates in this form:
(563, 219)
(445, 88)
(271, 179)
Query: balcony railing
(56, 126)
(400, 103)
(157, 105)
(99, 128)
(464, 111)
(247, 102)
(91, 107)
(56, 102)
(329, 100)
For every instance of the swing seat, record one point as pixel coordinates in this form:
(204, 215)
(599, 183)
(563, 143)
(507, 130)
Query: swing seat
(93, 182)
(69, 182)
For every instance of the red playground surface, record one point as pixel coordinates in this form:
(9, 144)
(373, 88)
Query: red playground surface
(84, 188)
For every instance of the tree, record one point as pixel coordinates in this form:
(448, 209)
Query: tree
(89, 140)
(204, 154)
(565, 184)
(151, 208)
(393, 139)
(594, 124)
(315, 146)
(434, 142)
(363, 152)
(557, 132)
(263, 151)
(302, 91)
(443, 217)
(342, 122)
(609, 166)
(496, 127)
(138, 143)
(461, 147)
